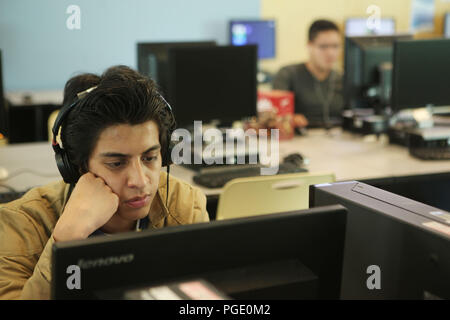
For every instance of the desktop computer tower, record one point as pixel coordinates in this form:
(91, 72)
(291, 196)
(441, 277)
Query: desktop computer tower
(408, 241)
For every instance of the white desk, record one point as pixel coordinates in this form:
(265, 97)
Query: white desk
(28, 159)
(348, 155)
(34, 97)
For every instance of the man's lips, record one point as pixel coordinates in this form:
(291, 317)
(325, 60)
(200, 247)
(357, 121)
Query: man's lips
(138, 202)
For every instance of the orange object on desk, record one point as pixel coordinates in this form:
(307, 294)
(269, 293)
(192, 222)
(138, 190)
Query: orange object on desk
(276, 111)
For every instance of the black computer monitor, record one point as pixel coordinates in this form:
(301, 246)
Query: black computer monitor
(421, 69)
(258, 32)
(153, 57)
(3, 110)
(366, 79)
(407, 240)
(213, 83)
(447, 25)
(358, 26)
(292, 255)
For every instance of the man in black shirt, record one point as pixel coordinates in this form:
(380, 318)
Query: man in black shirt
(318, 89)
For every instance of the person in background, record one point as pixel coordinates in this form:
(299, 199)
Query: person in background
(317, 87)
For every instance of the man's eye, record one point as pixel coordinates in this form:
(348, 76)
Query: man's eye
(114, 165)
(148, 158)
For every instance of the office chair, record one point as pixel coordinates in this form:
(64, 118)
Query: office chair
(253, 196)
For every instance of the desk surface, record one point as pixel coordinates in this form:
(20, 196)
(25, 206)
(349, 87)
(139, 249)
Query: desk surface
(34, 97)
(28, 164)
(349, 156)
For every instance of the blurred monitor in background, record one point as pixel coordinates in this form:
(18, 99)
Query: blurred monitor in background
(258, 32)
(368, 70)
(420, 74)
(153, 59)
(361, 27)
(212, 84)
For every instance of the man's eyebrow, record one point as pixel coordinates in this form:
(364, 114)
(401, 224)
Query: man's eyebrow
(123, 155)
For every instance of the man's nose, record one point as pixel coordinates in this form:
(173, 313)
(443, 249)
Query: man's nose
(136, 175)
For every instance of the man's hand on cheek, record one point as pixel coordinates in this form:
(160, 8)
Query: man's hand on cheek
(91, 205)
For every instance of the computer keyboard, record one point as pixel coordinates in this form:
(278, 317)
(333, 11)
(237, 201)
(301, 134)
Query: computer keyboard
(217, 178)
(10, 196)
(431, 153)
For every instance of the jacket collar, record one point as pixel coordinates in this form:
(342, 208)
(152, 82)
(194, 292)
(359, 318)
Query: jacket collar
(158, 210)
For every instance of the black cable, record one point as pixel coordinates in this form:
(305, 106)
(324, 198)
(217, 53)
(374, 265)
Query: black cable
(167, 191)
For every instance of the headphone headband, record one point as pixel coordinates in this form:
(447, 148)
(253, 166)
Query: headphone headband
(65, 111)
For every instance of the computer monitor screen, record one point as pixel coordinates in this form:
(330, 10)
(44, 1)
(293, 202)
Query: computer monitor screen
(447, 25)
(215, 83)
(292, 255)
(363, 64)
(361, 27)
(395, 247)
(258, 32)
(420, 74)
(153, 57)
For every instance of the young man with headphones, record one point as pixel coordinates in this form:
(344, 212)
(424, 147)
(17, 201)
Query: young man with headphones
(115, 137)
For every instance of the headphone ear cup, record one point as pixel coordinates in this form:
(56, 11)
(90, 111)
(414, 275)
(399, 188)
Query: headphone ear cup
(72, 170)
(68, 172)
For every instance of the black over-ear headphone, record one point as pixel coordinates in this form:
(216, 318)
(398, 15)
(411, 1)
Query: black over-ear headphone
(167, 154)
(68, 171)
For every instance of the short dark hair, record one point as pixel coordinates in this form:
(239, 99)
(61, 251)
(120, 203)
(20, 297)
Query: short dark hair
(79, 84)
(321, 26)
(122, 96)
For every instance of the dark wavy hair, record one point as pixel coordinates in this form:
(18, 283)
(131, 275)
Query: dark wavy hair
(321, 26)
(122, 96)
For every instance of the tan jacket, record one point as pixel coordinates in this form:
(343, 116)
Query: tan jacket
(26, 227)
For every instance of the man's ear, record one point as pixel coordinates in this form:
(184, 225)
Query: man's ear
(309, 46)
